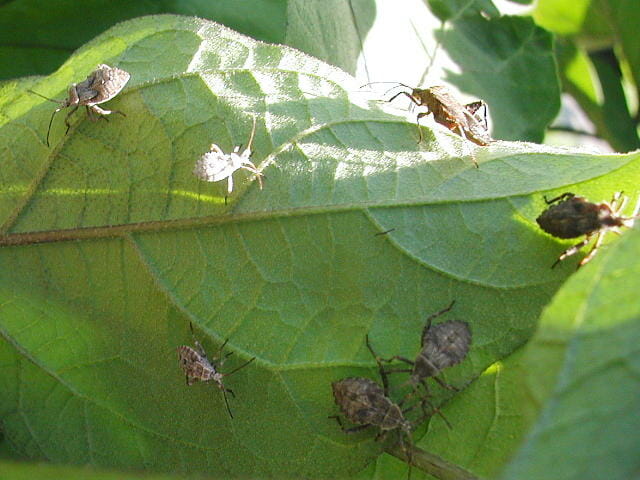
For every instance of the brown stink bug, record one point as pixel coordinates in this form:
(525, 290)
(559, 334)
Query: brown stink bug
(102, 84)
(443, 345)
(464, 120)
(197, 367)
(571, 216)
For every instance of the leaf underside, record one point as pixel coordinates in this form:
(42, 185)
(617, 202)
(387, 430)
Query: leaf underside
(111, 247)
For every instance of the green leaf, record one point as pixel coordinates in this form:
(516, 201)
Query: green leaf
(583, 374)
(111, 247)
(606, 106)
(606, 31)
(565, 403)
(36, 40)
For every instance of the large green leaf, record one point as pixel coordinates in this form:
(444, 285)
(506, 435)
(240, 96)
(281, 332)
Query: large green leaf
(111, 247)
(37, 38)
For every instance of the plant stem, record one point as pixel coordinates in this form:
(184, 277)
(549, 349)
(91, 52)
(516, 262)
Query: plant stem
(431, 463)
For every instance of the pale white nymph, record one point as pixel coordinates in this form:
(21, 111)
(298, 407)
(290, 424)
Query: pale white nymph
(215, 165)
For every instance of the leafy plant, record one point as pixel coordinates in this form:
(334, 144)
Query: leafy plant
(110, 247)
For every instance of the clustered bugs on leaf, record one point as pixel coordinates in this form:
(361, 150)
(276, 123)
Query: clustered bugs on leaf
(215, 165)
(101, 85)
(464, 120)
(197, 367)
(571, 216)
(364, 403)
(443, 345)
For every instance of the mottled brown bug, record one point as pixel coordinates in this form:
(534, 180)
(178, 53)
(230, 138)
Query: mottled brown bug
(448, 111)
(101, 85)
(571, 216)
(365, 403)
(443, 345)
(197, 367)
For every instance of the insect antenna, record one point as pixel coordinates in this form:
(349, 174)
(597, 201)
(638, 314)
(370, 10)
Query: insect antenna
(46, 98)
(397, 85)
(224, 389)
(253, 132)
(241, 366)
(59, 102)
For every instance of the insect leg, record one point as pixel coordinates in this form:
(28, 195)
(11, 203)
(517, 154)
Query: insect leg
(434, 410)
(564, 196)
(355, 429)
(226, 401)
(446, 385)
(248, 165)
(383, 374)
(462, 133)
(241, 366)
(198, 345)
(406, 94)
(398, 370)
(420, 115)
(230, 184)
(594, 249)
(66, 119)
(572, 250)
(474, 107)
(102, 111)
(433, 316)
(51, 123)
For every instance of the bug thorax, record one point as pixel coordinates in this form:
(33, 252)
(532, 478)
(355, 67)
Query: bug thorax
(607, 217)
(217, 377)
(422, 368)
(443, 345)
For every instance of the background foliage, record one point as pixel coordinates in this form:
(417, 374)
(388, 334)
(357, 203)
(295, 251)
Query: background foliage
(110, 246)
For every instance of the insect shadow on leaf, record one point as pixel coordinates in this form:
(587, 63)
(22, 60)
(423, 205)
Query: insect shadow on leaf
(447, 110)
(443, 345)
(197, 367)
(571, 216)
(101, 85)
(215, 165)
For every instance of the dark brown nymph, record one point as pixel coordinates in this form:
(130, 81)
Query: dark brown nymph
(571, 216)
